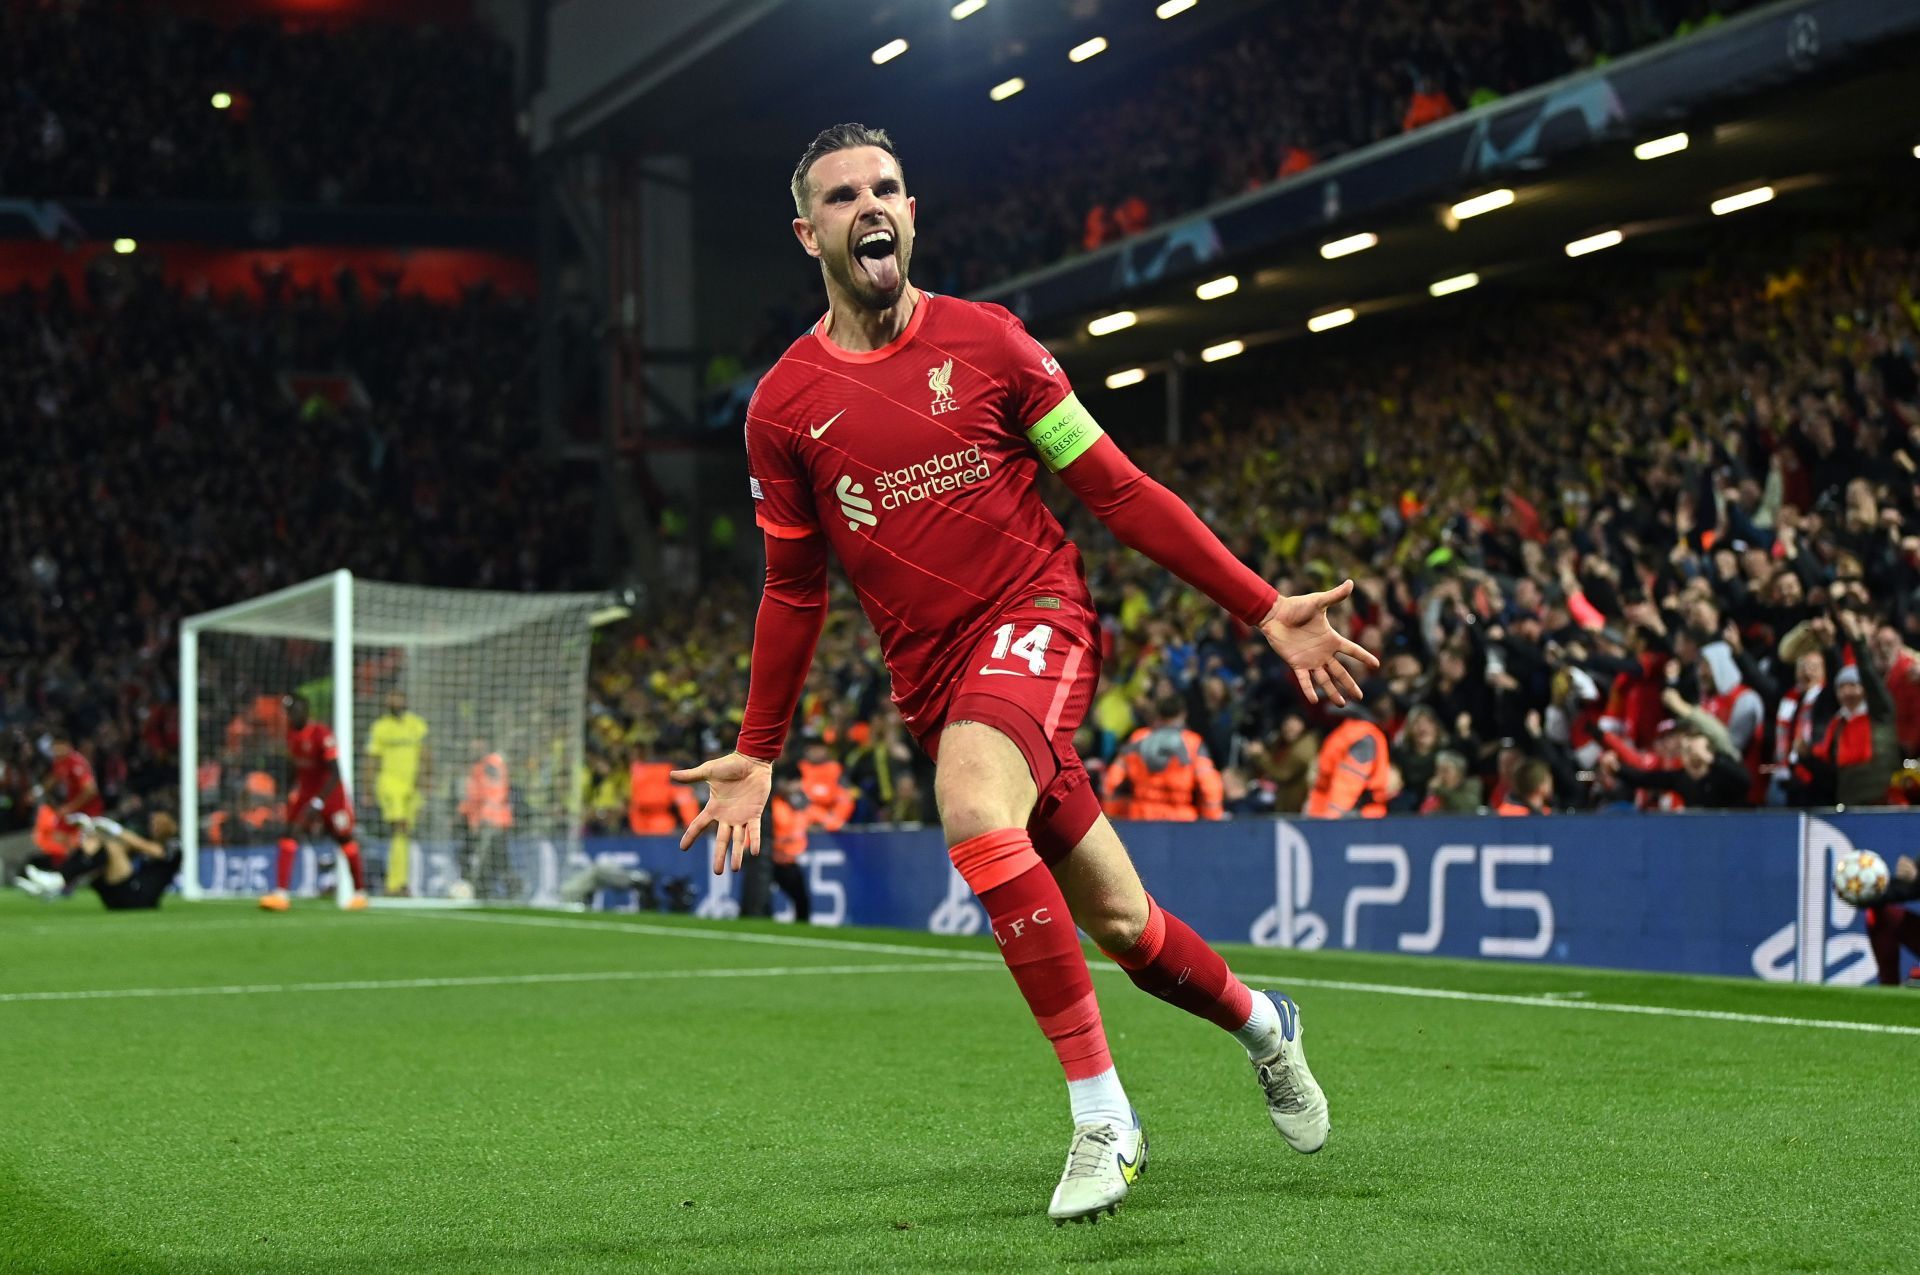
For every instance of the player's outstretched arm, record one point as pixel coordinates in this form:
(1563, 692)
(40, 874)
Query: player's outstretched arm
(1298, 631)
(1147, 517)
(738, 787)
(792, 610)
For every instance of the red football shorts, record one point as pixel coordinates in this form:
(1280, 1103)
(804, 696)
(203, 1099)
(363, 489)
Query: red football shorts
(1032, 678)
(334, 815)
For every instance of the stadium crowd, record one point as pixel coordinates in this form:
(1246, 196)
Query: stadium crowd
(110, 99)
(166, 454)
(1658, 548)
(1654, 548)
(1291, 86)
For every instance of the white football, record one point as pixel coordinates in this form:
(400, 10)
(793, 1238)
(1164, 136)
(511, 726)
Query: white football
(1860, 877)
(462, 891)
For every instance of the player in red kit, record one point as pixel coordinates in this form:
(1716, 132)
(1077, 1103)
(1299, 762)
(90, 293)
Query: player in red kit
(905, 434)
(74, 789)
(318, 800)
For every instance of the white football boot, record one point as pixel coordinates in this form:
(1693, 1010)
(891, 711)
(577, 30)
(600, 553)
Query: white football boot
(1103, 1161)
(1294, 1099)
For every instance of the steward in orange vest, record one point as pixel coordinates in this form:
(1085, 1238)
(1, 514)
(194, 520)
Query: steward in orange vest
(1350, 776)
(1166, 772)
(486, 803)
(792, 814)
(655, 804)
(825, 787)
(1532, 786)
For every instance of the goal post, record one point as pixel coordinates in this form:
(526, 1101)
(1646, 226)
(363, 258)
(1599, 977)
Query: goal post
(478, 766)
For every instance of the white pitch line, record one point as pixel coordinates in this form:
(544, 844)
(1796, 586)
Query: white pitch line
(727, 936)
(478, 980)
(1550, 1000)
(172, 925)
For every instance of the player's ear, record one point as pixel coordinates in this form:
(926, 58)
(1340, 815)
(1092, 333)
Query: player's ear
(803, 231)
(913, 212)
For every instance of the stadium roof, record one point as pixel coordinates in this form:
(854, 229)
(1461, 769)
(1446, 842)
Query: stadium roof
(1820, 146)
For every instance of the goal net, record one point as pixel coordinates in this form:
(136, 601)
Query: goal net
(458, 715)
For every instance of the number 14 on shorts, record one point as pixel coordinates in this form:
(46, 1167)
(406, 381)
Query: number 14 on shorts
(1032, 648)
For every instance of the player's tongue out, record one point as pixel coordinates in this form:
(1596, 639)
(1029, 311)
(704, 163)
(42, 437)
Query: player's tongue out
(874, 253)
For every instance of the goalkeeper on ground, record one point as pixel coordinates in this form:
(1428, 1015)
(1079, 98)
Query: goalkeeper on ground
(125, 869)
(397, 746)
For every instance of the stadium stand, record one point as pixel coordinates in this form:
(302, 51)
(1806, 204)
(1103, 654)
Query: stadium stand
(1292, 86)
(1532, 501)
(414, 113)
(168, 453)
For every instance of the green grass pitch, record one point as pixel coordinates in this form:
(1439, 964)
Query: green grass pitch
(402, 1092)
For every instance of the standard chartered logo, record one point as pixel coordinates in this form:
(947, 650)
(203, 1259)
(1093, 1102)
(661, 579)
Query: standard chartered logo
(897, 488)
(853, 504)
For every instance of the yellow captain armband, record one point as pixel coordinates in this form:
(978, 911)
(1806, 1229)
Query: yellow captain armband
(1064, 434)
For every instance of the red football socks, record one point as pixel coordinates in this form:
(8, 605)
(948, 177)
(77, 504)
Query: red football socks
(1040, 945)
(1175, 964)
(290, 849)
(350, 850)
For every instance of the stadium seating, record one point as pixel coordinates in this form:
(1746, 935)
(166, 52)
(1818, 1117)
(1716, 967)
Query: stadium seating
(1290, 86)
(115, 101)
(166, 454)
(1765, 408)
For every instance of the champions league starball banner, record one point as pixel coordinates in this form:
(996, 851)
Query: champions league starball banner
(1744, 895)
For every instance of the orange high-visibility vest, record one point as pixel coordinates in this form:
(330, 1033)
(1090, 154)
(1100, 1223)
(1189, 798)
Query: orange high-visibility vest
(789, 831)
(655, 804)
(1170, 775)
(52, 835)
(832, 802)
(1352, 771)
(486, 804)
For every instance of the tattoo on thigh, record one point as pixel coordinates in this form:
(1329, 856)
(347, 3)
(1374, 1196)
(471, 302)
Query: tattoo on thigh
(962, 722)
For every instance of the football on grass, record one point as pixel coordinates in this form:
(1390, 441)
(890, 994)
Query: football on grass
(1860, 877)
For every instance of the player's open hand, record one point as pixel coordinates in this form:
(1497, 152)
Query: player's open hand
(738, 787)
(1298, 631)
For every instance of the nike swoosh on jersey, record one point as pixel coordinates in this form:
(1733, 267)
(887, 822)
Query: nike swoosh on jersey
(817, 430)
(1001, 672)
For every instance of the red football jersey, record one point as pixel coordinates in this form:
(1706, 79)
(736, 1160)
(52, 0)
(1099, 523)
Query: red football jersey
(313, 752)
(71, 776)
(918, 462)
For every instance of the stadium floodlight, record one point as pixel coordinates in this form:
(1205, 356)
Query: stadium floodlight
(1350, 245)
(1214, 289)
(1745, 199)
(1457, 283)
(1482, 203)
(492, 671)
(1331, 319)
(1224, 350)
(1006, 89)
(1916, 152)
(1087, 49)
(889, 51)
(221, 101)
(1594, 243)
(1173, 8)
(966, 9)
(123, 246)
(1668, 145)
(1125, 377)
(1112, 322)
